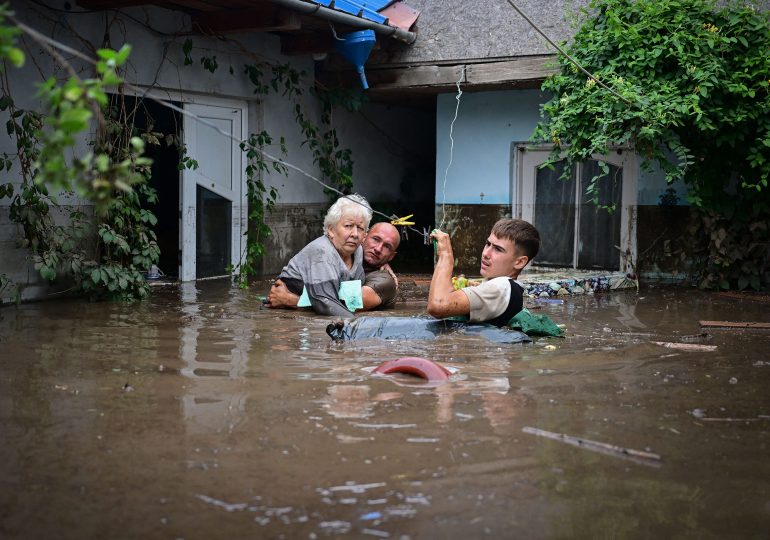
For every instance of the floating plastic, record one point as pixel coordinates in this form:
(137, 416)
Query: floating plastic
(412, 365)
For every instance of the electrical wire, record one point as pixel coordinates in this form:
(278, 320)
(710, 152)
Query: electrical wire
(147, 93)
(562, 51)
(451, 147)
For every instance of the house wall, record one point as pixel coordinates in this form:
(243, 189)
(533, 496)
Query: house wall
(157, 61)
(393, 148)
(477, 187)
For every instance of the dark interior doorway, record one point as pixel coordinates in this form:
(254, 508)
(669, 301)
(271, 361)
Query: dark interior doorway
(416, 193)
(154, 117)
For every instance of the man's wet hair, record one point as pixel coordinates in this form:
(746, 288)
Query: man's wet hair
(522, 234)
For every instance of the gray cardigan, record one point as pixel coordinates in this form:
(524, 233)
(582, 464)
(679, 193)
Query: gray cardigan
(321, 269)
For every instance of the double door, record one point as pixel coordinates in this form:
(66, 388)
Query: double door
(577, 229)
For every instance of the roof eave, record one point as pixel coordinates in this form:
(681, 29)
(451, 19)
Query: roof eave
(317, 10)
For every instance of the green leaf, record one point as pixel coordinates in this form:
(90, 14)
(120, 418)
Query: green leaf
(15, 56)
(48, 273)
(74, 120)
(122, 55)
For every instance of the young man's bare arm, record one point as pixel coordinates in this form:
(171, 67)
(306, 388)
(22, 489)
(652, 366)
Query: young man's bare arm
(443, 300)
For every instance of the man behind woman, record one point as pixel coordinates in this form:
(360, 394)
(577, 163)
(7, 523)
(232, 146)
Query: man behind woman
(336, 257)
(324, 264)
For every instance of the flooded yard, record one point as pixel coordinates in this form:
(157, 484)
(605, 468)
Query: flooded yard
(199, 414)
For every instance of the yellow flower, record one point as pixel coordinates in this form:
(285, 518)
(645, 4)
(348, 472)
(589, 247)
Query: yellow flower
(590, 82)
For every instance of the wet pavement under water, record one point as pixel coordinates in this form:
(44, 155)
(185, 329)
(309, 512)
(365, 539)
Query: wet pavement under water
(199, 414)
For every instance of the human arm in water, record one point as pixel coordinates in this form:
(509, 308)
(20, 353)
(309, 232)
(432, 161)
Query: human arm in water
(280, 297)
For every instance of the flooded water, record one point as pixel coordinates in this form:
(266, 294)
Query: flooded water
(199, 414)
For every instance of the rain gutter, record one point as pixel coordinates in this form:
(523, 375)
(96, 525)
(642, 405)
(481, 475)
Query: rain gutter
(317, 10)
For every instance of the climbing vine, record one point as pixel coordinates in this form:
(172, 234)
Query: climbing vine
(692, 94)
(261, 201)
(107, 256)
(334, 162)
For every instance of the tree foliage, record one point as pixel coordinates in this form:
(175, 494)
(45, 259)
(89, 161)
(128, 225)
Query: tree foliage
(692, 79)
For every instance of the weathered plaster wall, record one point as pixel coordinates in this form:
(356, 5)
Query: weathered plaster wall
(469, 226)
(157, 62)
(393, 147)
(292, 225)
(487, 123)
(480, 173)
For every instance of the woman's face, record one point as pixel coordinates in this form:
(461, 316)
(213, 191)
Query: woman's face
(347, 234)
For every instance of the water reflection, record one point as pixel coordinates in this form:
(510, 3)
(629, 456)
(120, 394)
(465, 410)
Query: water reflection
(246, 422)
(212, 346)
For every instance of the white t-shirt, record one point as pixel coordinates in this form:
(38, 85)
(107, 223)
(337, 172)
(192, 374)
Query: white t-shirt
(491, 298)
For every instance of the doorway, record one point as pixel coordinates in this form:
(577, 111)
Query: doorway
(166, 125)
(213, 193)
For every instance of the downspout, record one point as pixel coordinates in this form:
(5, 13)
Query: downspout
(333, 15)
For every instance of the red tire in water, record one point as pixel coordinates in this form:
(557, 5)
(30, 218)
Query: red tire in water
(421, 367)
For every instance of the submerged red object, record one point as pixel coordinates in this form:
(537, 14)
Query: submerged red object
(421, 367)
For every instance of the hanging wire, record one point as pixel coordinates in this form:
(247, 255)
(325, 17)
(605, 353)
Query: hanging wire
(334, 32)
(562, 51)
(451, 147)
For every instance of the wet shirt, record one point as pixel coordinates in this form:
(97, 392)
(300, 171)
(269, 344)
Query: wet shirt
(384, 285)
(320, 269)
(495, 301)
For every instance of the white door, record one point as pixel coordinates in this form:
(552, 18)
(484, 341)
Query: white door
(576, 232)
(213, 196)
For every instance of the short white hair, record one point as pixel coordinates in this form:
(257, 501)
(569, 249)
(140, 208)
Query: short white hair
(348, 205)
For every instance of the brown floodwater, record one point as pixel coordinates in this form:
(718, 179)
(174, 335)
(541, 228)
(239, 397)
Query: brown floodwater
(199, 414)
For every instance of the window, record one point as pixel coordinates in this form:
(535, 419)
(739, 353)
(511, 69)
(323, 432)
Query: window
(575, 231)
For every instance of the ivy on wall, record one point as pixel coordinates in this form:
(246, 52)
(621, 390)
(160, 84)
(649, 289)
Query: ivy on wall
(107, 256)
(111, 176)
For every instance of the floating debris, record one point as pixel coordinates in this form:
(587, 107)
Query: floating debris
(375, 532)
(227, 507)
(639, 456)
(735, 325)
(341, 527)
(693, 347)
(386, 426)
(357, 488)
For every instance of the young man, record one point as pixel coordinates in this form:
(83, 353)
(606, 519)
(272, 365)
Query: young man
(380, 286)
(510, 246)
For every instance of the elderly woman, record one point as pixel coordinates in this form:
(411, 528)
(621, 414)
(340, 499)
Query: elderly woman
(328, 261)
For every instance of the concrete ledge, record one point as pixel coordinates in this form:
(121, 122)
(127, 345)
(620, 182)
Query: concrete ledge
(538, 283)
(575, 283)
